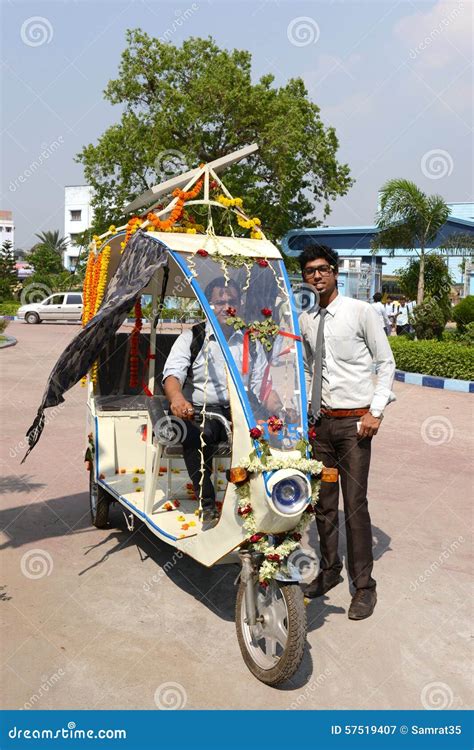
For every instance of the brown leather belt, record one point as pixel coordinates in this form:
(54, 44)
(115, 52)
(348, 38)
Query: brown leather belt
(345, 412)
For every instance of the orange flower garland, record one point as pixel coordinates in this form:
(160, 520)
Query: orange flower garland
(132, 225)
(135, 345)
(182, 196)
(87, 287)
(95, 282)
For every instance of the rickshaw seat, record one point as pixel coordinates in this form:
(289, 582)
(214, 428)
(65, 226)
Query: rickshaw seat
(157, 409)
(115, 391)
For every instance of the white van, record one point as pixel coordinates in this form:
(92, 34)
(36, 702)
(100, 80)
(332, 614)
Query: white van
(60, 306)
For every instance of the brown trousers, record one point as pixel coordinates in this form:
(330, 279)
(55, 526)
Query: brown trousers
(337, 445)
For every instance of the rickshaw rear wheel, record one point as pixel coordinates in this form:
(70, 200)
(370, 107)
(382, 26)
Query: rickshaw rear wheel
(99, 501)
(274, 647)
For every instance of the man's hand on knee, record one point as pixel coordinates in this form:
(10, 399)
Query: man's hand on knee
(181, 408)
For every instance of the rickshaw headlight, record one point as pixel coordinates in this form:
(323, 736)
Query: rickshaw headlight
(290, 491)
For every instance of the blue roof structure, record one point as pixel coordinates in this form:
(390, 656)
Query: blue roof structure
(356, 240)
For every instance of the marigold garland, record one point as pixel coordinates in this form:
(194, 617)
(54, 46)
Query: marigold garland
(135, 345)
(164, 225)
(251, 224)
(95, 281)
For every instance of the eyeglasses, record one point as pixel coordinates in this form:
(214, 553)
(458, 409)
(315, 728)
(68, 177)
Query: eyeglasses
(324, 270)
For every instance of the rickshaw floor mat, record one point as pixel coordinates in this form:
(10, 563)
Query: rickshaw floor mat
(121, 402)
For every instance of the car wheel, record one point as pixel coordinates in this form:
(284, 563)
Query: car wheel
(32, 317)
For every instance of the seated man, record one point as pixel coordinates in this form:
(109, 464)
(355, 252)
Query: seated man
(189, 382)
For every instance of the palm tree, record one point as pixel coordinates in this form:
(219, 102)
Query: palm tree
(409, 219)
(53, 241)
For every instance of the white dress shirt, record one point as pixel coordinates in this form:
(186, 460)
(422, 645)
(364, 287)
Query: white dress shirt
(382, 313)
(354, 340)
(179, 360)
(402, 315)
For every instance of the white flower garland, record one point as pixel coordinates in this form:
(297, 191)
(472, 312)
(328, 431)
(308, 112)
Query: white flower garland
(278, 554)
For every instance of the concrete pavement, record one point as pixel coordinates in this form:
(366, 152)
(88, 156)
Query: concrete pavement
(91, 619)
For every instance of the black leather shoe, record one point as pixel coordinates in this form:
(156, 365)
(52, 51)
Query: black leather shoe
(209, 519)
(363, 604)
(324, 582)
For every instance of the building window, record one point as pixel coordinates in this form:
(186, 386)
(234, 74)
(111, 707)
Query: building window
(76, 215)
(8, 229)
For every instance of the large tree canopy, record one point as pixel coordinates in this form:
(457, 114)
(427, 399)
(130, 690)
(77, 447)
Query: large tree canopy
(195, 103)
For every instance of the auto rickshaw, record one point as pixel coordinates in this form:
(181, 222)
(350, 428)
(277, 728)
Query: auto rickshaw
(265, 478)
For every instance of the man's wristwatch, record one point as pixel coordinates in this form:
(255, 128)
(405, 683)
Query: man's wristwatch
(377, 413)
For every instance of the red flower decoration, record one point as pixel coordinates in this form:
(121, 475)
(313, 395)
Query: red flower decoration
(266, 311)
(262, 262)
(255, 538)
(231, 311)
(274, 558)
(275, 424)
(312, 433)
(203, 253)
(296, 537)
(245, 510)
(256, 433)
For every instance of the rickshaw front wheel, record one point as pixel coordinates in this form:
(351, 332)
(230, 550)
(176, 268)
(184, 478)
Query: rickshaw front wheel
(272, 648)
(99, 501)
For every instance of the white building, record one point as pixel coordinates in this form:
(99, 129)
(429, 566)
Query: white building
(7, 228)
(78, 215)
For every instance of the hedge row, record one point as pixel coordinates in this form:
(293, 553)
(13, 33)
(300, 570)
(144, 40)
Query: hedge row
(439, 358)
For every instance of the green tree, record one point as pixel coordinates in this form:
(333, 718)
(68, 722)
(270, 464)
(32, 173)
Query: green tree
(44, 260)
(185, 105)
(438, 281)
(53, 241)
(409, 219)
(8, 274)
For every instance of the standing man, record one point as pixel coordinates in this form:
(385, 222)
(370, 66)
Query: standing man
(403, 321)
(342, 339)
(381, 312)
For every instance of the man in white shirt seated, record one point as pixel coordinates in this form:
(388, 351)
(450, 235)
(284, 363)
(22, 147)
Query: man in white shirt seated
(381, 312)
(342, 339)
(189, 382)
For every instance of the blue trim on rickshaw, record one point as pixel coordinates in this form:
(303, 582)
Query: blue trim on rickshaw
(219, 336)
(116, 494)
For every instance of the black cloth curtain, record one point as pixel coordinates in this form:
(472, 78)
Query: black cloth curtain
(142, 256)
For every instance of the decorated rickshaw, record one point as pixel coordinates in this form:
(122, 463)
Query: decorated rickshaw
(266, 480)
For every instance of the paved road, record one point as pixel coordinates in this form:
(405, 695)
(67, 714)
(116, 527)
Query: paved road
(91, 619)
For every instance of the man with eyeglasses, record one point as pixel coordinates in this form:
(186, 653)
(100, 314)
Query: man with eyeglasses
(342, 340)
(194, 375)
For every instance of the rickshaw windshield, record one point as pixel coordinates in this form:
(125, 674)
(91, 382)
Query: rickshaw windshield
(251, 303)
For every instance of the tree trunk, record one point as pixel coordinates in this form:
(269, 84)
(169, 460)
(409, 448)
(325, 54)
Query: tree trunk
(421, 278)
